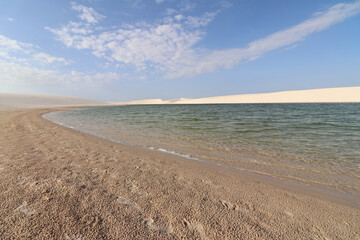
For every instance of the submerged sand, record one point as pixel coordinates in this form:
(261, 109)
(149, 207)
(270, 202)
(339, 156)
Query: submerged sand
(57, 183)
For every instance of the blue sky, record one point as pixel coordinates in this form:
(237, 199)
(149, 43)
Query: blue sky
(121, 50)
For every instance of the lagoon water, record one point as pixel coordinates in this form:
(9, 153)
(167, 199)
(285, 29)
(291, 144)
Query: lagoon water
(314, 144)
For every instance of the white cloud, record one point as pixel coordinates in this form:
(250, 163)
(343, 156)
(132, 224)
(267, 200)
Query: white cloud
(200, 21)
(47, 59)
(10, 19)
(159, 1)
(17, 74)
(143, 45)
(7, 44)
(16, 51)
(225, 4)
(179, 17)
(87, 14)
(18, 66)
(202, 63)
(187, 6)
(297, 33)
(168, 46)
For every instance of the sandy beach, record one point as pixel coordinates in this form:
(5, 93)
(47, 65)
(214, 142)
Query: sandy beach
(10, 101)
(180, 119)
(58, 183)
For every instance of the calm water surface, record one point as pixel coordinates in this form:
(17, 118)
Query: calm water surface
(315, 144)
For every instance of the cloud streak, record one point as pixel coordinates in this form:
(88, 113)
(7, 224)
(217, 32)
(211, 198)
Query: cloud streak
(48, 59)
(18, 66)
(10, 49)
(168, 46)
(87, 14)
(203, 63)
(142, 45)
(18, 74)
(8, 45)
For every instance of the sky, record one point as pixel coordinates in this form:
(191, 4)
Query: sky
(123, 50)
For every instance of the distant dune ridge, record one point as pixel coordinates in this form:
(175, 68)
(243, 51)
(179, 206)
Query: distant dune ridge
(344, 94)
(12, 100)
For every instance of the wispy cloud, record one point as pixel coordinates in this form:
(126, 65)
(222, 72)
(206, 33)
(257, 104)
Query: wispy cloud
(168, 46)
(10, 19)
(23, 64)
(87, 14)
(47, 59)
(135, 3)
(200, 21)
(20, 62)
(18, 74)
(143, 45)
(297, 33)
(202, 63)
(7, 44)
(10, 49)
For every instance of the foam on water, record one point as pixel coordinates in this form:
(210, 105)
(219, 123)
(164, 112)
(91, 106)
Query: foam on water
(178, 154)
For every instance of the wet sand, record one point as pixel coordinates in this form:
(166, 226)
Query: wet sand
(58, 183)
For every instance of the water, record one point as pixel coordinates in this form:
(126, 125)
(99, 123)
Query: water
(315, 144)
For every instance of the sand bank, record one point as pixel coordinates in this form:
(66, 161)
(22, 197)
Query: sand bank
(57, 183)
(326, 95)
(12, 101)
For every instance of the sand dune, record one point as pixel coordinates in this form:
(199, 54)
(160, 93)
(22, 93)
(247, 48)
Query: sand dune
(345, 94)
(11, 100)
(141, 102)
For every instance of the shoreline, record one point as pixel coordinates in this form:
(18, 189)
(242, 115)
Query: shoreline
(161, 196)
(347, 199)
(261, 170)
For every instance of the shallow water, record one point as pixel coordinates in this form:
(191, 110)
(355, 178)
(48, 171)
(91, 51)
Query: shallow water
(315, 144)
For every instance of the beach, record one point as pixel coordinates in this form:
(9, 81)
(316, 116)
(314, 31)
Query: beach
(200, 120)
(58, 183)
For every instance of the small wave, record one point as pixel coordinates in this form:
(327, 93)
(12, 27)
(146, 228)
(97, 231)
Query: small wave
(178, 154)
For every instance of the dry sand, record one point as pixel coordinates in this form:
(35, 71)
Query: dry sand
(345, 94)
(57, 183)
(13, 100)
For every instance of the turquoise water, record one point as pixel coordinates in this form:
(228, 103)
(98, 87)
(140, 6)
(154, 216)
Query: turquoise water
(316, 144)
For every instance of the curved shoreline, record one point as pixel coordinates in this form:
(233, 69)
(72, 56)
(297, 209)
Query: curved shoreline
(57, 182)
(299, 183)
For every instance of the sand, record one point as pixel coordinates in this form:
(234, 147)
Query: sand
(58, 183)
(20, 101)
(326, 95)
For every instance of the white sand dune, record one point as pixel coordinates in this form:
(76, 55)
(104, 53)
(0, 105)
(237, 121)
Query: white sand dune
(326, 95)
(345, 94)
(11, 100)
(141, 102)
(153, 101)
